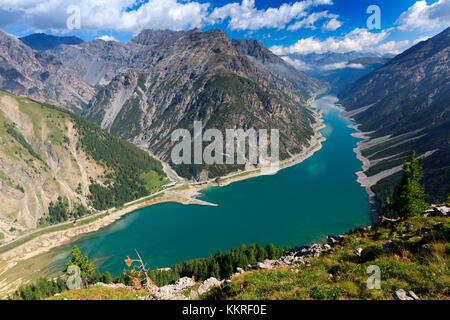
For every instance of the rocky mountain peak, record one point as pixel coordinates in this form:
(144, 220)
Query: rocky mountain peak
(150, 37)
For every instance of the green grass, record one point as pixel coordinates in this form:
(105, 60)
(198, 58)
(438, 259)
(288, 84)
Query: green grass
(100, 293)
(153, 181)
(342, 274)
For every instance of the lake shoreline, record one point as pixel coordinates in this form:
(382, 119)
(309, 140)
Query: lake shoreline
(363, 179)
(184, 194)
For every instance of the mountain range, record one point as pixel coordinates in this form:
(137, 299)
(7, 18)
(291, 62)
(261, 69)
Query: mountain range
(338, 69)
(404, 106)
(143, 89)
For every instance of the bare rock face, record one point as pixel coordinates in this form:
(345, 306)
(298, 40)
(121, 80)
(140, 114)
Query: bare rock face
(39, 75)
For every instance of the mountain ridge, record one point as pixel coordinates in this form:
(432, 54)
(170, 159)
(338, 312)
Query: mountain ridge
(403, 106)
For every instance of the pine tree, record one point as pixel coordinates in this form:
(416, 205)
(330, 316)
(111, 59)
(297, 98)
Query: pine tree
(87, 269)
(409, 195)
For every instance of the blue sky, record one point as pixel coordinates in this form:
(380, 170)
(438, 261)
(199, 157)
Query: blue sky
(284, 26)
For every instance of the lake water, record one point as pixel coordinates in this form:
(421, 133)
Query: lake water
(297, 206)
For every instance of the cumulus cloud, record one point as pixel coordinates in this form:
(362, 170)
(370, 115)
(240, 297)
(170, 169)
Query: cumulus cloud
(303, 66)
(425, 17)
(245, 16)
(107, 38)
(332, 25)
(393, 47)
(297, 64)
(117, 15)
(356, 40)
(311, 19)
(135, 15)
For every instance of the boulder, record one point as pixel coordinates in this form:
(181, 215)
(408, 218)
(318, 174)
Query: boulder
(358, 252)
(401, 295)
(442, 211)
(175, 291)
(332, 241)
(208, 285)
(413, 295)
(228, 280)
(259, 265)
(239, 270)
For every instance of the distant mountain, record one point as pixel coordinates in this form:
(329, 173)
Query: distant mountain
(338, 69)
(200, 76)
(405, 106)
(55, 165)
(42, 41)
(40, 75)
(262, 56)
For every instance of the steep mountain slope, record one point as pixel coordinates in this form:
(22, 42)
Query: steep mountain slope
(202, 76)
(42, 41)
(55, 165)
(262, 56)
(404, 106)
(39, 75)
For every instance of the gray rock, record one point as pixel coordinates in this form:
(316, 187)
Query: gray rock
(208, 285)
(259, 265)
(413, 295)
(331, 240)
(358, 252)
(240, 270)
(175, 291)
(401, 295)
(444, 210)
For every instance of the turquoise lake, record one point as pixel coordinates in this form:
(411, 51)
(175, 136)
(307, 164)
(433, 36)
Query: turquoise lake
(297, 206)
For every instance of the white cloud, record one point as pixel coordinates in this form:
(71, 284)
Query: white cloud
(133, 15)
(111, 14)
(297, 64)
(106, 38)
(394, 47)
(342, 65)
(332, 25)
(245, 16)
(303, 66)
(311, 19)
(425, 17)
(356, 40)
